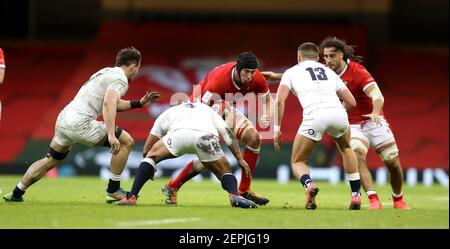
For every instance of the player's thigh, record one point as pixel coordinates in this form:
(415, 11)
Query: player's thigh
(60, 146)
(302, 148)
(92, 134)
(313, 125)
(179, 142)
(343, 141)
(336, 121)
(208, 148)
(359, 142)
(338, 127)
(219, 167)
(378, 135)
(160, 152)
(241, 125)
(389, 153)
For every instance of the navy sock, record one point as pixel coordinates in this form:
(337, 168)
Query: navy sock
(305, 180)
(229, 183)
(355, 186)
(144, 173)
(113, 186)
(17, 192)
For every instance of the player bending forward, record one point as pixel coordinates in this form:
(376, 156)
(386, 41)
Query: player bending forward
(77, 123)
(191, 128)
(234, 79)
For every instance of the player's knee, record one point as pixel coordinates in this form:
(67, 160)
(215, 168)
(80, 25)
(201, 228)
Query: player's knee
(299, 159)
(198, 166)
(127, 141)
(359, 148)
(390, 153)
(255, 140)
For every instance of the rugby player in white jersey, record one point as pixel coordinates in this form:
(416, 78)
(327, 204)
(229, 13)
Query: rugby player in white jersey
(76, 123)
(192, 128)
(319, 91)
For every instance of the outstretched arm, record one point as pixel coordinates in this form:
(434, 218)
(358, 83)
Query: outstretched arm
(282, 94)
(269, 75)
(147, 99)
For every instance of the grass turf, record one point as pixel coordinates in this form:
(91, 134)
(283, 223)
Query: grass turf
(79, 202)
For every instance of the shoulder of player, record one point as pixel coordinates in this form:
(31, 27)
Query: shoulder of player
(116, 73)
(259, 77)
(356, 67)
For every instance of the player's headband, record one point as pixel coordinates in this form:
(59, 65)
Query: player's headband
(246, 60)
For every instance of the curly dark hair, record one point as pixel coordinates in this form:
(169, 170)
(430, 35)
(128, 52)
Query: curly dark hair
(340, 45)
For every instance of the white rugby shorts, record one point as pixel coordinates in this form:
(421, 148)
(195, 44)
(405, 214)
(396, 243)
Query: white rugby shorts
(372, 133)
(187, 141)
(332, 120)
(89, 133)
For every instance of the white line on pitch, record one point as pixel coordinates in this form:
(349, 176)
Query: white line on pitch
(154, 222)
(440, 198)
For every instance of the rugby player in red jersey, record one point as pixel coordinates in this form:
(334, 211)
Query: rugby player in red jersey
(230, 82)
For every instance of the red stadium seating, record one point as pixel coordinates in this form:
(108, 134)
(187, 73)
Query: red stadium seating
(35, 76)
(39, 84)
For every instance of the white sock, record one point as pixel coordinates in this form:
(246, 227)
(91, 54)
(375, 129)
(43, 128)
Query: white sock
(397, 195)
(114, 177)
(21, 186)
(371, 192)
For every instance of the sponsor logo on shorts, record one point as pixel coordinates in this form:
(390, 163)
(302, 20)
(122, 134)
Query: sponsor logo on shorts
(311, 132)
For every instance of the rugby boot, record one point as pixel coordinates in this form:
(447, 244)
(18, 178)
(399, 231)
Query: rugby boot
(170, 194)
(239, 201)
(252, 196)
(311, 193)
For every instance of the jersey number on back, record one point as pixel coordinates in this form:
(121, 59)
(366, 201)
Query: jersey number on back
(320, 75)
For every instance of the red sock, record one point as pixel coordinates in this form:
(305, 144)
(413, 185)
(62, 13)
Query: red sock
(251, 158)
(185, 175)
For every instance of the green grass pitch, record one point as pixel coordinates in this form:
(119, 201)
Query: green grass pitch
(79, 202)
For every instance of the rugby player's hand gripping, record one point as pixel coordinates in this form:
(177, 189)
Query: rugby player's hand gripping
(114, 143)
(243, 164)
(374, 117)
(149, 98)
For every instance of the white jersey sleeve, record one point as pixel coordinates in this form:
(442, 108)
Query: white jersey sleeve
(160, 126)
(286, 79)
(118, 85)
(88, 103)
